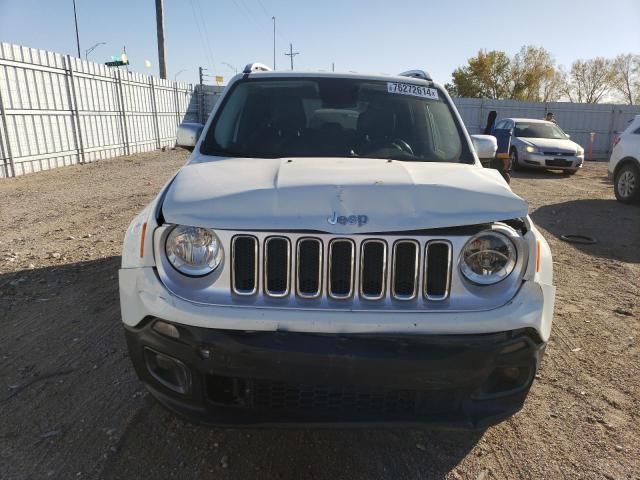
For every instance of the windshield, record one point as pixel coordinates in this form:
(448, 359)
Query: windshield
(539, 130)
(336, 117)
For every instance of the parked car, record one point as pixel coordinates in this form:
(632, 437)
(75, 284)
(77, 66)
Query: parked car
(541, 144)
(333, 251)
(624, 164)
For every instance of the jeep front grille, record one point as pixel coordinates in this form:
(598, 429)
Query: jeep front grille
(372, 268)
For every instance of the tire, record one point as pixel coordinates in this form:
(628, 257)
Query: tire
(571, 172)
(626, 183)
(515, 164)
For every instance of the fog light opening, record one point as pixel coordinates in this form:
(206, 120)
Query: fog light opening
(504, 380)
(170, 372)
(166, 329)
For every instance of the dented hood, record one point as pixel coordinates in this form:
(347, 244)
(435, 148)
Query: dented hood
(337, 195)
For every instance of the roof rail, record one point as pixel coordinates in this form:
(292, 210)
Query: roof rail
(256, 67)
(416, 74)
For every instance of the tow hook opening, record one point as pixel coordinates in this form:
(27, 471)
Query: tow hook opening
(169, 371)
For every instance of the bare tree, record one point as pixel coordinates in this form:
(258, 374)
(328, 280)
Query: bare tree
(552, 87)
(626, 77)
(590, 80)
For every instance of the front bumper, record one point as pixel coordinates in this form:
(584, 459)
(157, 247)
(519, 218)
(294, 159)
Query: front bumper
(248, 377)
(551, 162)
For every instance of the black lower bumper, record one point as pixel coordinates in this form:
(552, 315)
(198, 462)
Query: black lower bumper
(227, 377)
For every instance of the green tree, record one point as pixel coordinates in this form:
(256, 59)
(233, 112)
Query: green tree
(529, 75)
(485, 76)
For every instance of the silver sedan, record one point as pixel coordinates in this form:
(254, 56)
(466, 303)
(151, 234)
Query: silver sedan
(541, 144)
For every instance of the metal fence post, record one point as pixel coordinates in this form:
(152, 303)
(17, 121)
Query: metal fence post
(73, 105)
(155, 112)
(6, 135)
(123, 116)
(176, 103)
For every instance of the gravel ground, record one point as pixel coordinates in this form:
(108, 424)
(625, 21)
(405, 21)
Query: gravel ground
(71, 406)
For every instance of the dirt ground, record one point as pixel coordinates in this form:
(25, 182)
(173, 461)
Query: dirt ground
(72, 407)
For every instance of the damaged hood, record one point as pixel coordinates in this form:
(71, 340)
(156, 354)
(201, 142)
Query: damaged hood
(337, 195)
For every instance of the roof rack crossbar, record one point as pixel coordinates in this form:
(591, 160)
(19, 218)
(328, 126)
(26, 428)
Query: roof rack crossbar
(256, 67)
(416, 74)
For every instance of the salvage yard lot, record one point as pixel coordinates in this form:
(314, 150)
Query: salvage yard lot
(71, 406)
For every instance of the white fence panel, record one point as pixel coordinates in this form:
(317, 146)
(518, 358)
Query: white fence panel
(58, 110)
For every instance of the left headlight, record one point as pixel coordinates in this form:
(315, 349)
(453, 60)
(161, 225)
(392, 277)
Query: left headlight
(487, 258)
(193, 251)
(531, 149)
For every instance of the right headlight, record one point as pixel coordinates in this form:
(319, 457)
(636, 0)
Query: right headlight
(193, 251)
(487, 258)
(531, 149)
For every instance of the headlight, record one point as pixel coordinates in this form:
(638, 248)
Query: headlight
(193, 251)
(488, 258)
(579, 151)
(531, 149)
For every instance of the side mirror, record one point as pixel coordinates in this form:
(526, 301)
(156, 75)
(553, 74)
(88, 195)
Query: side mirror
(485, 146)
(188, 134)
(568, 136)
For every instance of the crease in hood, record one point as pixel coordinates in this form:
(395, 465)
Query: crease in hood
(313, 193)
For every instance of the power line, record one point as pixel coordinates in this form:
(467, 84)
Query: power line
(204, 44)
(207, 36)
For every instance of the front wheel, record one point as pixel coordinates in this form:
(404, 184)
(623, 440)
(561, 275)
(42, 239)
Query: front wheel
(514, 159)
(572, 172)
(627, 184)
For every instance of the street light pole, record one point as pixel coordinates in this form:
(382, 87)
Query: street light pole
(274, 42)
(91, 49)
(178, 73)
(75, 18)
(231, 67)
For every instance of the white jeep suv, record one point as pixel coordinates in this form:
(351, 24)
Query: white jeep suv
(624, 164)
(333, 251)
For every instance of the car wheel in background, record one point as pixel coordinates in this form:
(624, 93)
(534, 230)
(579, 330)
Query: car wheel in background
(514, 159)
(627, 183)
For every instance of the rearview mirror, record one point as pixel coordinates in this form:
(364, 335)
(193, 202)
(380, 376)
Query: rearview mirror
(188, 134)
(485, 146)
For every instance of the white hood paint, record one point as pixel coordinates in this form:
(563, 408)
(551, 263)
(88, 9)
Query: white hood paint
(302, 193)
(551, 144)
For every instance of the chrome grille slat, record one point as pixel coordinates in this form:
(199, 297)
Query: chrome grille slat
(309, 268)
(277, 266)
(405, 266)
(244, 261)
(437, 270)
(341, 268)
(373, 269)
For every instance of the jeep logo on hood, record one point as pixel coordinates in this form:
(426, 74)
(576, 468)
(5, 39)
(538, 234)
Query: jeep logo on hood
(359, 220)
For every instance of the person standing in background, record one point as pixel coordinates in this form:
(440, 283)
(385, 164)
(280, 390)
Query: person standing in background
(550, 118)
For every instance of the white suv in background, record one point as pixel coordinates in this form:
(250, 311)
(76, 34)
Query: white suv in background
(624, 165)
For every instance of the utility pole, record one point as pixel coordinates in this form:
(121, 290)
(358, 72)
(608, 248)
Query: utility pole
(75, 17)
(162, 62)
(201, 95)
(291, 54)
(333, 66)
(274, 42)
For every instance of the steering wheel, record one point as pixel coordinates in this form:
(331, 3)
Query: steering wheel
(403, 146)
